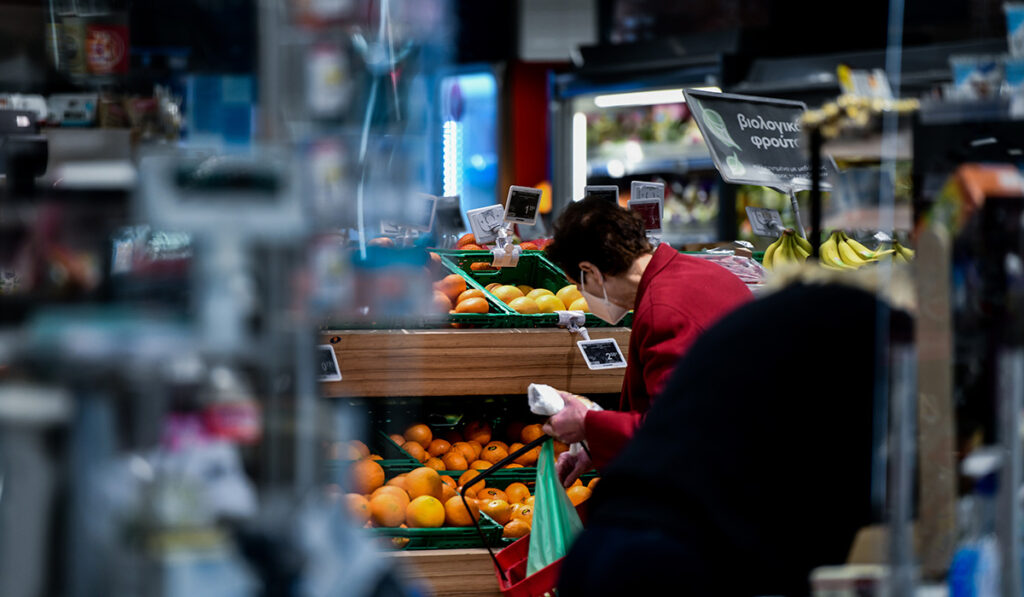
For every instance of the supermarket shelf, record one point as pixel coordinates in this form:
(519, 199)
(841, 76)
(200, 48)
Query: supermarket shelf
(451, 572)
(394, 363)
(681, 165)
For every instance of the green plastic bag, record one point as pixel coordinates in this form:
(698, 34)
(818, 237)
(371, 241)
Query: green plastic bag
(555, 522)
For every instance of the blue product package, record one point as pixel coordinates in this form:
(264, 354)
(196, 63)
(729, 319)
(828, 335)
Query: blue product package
(1015, 27)
(977, 77)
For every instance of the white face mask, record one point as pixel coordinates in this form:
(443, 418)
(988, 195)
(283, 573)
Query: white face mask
(603, 308)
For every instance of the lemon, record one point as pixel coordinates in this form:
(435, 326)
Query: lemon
(569, 294)
(580, 304)
(539, 292)
(549, 303)
(526, 306)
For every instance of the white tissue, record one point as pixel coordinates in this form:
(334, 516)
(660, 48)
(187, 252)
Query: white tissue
(544, 400)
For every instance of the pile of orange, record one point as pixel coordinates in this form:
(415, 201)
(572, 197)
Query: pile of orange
(512, 507)
(472, 447)
(523, 298)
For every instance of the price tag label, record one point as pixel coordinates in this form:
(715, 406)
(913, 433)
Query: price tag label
(602, 354)
(650, 210)
(521, 206)
(419, 217)
(755, 140)
(327, 361)
(765, 222)
(608, 192)
(646, 190)
(448, 213)
(485, 222)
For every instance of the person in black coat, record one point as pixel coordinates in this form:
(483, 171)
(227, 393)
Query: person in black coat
(758, 470)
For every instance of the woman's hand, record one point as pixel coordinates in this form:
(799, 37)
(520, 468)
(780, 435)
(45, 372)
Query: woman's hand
(567, 425)
(571, 466)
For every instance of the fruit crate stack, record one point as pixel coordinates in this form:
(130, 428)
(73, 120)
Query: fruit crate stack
(525, 296)
(419, 508)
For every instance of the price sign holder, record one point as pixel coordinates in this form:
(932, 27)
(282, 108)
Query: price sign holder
(765, 222)
(422, 222)
(485, 223)
(522, 205)
(602, 354)
(327, 361)
(609, 192)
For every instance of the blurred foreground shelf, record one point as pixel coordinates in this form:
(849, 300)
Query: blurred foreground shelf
(480, 362)
(451, 572)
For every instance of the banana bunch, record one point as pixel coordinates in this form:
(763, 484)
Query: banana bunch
(842, 252)
(901, 254)
(790, 248)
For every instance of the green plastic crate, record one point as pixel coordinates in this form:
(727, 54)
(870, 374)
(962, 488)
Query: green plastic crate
(444, 537)
(533, 269)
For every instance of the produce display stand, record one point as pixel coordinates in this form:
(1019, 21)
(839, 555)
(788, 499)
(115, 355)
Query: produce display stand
(440, 363)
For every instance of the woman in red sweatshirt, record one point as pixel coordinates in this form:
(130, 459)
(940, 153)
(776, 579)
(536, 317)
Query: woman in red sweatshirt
(675, 298)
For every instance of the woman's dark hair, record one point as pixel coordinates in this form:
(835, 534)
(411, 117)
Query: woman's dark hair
(600, 232)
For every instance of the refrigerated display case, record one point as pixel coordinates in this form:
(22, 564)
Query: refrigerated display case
(470, 129)
(614, 131)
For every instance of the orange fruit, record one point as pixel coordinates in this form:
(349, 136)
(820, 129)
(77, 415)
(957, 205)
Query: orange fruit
(524, 513)
(559, 447)
(398, 482)
(513, 430)
(425, 512)
(528, 246)
(500, 444)
(578, 494)
(438, 447)
(397, 438)
(569, 294)
(465, 239)
(470, 293)
(398, 492)
(366, 475)
(415, 449)
(549, 304)
(531, 432)
(580, 304)
(473, 305)
(477, 431)
(472, 247)
(359, 448)
(435, 463)
(499, 510)
(420, 434)
(447, 480)
(453, 437)
(524, 288)
(376, 457)
(481, 266)
(387, 510)
(530, 458)
(477, 448)
(423, 481)
(516, 529)
(467, 477)
(515, 446)
(513, 465)
(490, 493)
(529, 501)
(507, 294)
(448, 493)
(452, 286)
(441, 302)
(490, 287)
(481, 465)
(577, 483)
(593, 483)
(493, 453)
(536, 293)
(455, 461)
(465, 450)
(526, 306)
(358, 508)
(456, 514)
(517, 492)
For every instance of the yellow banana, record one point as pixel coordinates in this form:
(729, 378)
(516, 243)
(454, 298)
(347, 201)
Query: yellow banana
(830, 254)
(907, 254)
(863, 252)
(769, 253)
(804, 244)
(848, 255)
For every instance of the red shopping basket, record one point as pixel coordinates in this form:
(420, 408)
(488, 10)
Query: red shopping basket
(510, 563)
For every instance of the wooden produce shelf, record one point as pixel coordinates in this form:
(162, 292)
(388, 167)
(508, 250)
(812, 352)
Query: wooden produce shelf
(395, 363)
(451, 572)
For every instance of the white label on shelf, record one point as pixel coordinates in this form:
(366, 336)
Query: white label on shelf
(328, 369)
(602, 354)
(765, 222)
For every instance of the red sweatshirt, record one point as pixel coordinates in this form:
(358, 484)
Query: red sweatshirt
(679, 297)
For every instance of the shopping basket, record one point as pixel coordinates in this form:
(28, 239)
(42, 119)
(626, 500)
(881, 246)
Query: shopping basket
(511, 563)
